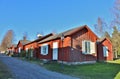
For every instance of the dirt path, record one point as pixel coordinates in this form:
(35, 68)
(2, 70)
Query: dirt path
(25, 70)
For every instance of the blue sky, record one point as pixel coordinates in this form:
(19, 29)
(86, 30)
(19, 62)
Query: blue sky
(45, 16)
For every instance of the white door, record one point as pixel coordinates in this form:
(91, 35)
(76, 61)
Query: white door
(19, 50)
(55, 51)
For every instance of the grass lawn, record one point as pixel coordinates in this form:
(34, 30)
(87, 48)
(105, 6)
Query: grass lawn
(4, 72)
(108, 70)
(102, 70)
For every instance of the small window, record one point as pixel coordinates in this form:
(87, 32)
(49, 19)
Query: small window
(105, 51)
(44, 49)
(88, 47)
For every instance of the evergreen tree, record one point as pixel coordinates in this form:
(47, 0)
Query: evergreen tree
(100, 27)
(115, 41)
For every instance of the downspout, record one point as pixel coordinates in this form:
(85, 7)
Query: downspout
(97, 50)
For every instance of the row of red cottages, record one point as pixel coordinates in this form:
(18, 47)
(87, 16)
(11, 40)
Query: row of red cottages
(77, 45)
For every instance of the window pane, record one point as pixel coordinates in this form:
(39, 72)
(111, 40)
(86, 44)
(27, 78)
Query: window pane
(88, 47)
(44, 49)
(105, 51)
(85, 47)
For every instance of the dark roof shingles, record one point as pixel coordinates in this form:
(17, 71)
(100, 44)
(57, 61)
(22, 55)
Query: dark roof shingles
(24, 42)
(66, 33)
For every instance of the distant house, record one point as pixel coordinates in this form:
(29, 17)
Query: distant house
(104, 50)
(20, 44)
(11, 49)
(34, 45)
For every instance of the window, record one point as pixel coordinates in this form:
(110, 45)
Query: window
(105, 51)
(88, 47)
(44, 49)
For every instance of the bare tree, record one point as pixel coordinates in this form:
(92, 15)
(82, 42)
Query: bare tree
(100, 27)
(116, 14)
(106, 34)
(25, 35)
(7, 40)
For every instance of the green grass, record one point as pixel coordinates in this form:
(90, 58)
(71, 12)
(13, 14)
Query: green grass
(89, 71)
(4, 72)
(101, 70)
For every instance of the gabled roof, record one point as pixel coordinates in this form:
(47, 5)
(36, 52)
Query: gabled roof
(23, 42)
(103, 39)
(66, 33)
(39, 39)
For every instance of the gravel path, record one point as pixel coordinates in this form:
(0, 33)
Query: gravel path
(25, 70)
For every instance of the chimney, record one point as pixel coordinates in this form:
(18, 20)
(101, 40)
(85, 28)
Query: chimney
(24, 37)
(39, 35)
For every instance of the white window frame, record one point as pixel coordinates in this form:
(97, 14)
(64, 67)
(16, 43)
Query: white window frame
(92, 47)
(44, 49)
(105, 51)
(88, 47)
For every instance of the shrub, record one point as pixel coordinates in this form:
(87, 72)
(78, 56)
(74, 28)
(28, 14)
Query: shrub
(22, 53)
(29, 54)
(15, 55)
(6, 52)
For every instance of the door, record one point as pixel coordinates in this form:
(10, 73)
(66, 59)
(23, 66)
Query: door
(55, 51)
(19, 49)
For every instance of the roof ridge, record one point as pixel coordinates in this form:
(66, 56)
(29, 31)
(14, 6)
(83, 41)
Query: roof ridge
(66, 33)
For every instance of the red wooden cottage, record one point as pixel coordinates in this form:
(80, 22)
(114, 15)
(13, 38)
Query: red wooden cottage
(34, 45)
(20, 45)
(104, 50)
(77, 45)
(12, 49)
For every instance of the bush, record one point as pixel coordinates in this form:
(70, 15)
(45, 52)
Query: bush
(22, 53)
(29, 54)
(6, 52)
(15, 55)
